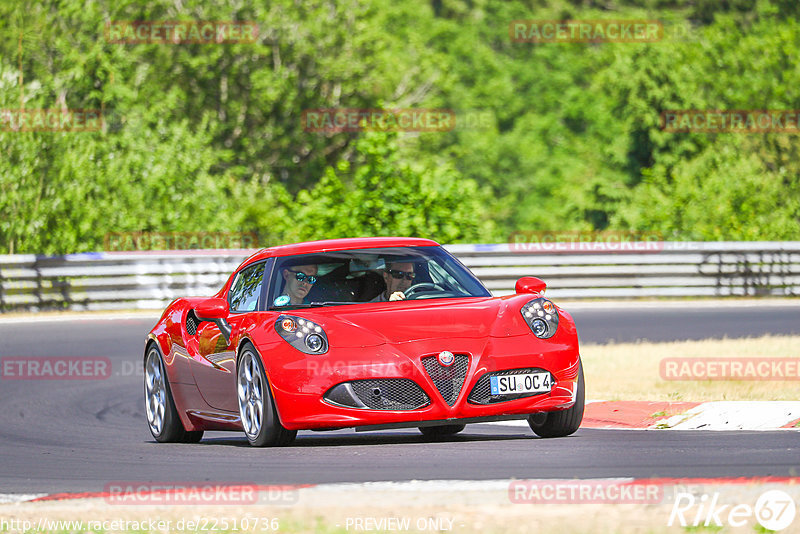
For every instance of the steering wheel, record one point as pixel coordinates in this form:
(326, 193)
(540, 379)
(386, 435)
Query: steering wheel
(416, 287)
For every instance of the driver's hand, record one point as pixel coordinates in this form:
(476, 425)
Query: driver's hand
(397, 295)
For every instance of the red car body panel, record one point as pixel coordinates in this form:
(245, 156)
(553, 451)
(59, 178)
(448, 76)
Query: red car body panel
(366, 340)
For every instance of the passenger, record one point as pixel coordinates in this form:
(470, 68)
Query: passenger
(299, 279)
(398, 277)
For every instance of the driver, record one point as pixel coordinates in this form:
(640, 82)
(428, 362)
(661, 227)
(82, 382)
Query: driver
(398, 277)
(299, 280)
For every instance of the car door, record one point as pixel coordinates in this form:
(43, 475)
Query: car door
(215, 369)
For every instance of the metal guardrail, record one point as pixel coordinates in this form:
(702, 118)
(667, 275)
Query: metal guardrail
(112, 280)
(150, 280)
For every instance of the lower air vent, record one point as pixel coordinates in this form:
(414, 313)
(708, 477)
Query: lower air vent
(482, 392)
(448, 380)
(379, 394)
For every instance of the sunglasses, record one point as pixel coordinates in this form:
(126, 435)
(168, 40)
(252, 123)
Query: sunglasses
(303, 277)
(398, 275)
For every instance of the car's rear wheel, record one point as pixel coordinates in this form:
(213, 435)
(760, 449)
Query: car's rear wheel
(441, 431)
(564, 422)
(256, 405)
(162, 416)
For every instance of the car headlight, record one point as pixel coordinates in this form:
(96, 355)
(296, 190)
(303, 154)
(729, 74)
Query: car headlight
(304, 335)
(541, 316)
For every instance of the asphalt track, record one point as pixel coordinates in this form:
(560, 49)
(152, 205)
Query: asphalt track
(82, 435)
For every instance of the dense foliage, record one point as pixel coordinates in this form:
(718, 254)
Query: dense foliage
(209, 137)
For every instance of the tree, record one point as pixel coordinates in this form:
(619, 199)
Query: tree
(381, 195)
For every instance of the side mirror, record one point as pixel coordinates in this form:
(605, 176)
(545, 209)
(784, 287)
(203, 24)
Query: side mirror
(530, 284)
(215, 310)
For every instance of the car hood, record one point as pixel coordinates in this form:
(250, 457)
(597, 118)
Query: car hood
(398, 322)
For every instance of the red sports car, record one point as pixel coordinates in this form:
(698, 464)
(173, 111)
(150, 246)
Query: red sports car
(371, 333)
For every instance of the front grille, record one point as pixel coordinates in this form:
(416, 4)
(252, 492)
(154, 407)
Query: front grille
(390, 394)
(448, 380)
(482, 392)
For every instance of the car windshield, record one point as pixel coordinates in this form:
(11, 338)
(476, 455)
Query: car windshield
(369, 275)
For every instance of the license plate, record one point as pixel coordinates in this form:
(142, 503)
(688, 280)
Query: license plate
(514, 384)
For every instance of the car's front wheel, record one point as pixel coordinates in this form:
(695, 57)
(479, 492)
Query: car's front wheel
(162, 416)
(564, 422)
(256, 405)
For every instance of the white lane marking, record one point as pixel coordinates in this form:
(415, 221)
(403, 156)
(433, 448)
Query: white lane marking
(390, 487)
(12, 498)
(410, 489)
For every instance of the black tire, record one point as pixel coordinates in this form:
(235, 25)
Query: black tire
(270, 432)
(172, 430)
(564, 422)
(192, 437)
(441, 430)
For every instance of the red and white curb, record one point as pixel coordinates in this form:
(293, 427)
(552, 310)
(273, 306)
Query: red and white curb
(174, 493)
(415, 489)
(737, 415)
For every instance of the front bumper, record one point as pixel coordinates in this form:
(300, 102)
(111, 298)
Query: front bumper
(300, 386)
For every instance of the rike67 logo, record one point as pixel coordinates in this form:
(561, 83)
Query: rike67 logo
(774, 510)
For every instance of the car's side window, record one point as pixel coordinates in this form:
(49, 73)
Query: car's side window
(246, 288)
